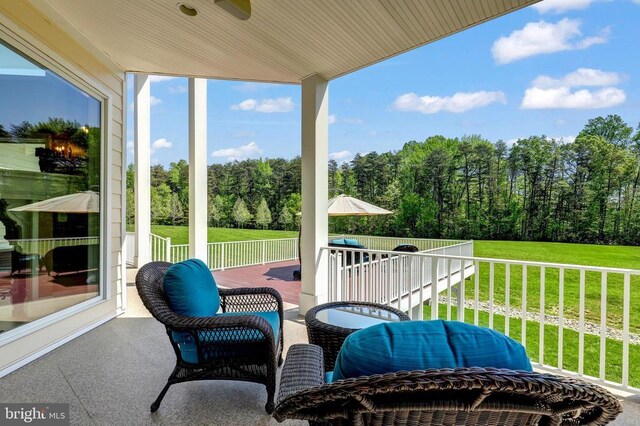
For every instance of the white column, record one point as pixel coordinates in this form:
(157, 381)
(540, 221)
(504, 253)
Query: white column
(142, 159)
(198, 168)
(315, 192)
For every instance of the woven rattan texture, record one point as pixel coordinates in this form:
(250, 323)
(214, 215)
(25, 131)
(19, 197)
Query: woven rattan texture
(464, 396)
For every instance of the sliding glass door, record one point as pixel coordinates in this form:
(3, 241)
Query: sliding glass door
(50, 195)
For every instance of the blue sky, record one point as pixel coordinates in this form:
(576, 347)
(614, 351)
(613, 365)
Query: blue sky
(545, 69)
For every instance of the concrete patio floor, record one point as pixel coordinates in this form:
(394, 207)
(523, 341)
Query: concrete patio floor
(112, 374)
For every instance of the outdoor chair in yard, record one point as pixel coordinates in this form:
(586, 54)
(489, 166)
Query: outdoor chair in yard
(433, 373)
(241, 342)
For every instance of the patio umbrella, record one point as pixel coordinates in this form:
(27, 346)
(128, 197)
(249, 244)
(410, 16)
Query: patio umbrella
(80, 202)
(344, 205)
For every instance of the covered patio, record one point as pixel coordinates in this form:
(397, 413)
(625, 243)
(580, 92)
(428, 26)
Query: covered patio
(106, 356)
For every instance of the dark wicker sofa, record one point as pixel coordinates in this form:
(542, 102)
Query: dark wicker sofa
(463, 396)
(239, 347)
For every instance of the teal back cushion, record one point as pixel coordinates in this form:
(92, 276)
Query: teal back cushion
(351, 242)
(340, 241)
(420, 345)
(191, 289)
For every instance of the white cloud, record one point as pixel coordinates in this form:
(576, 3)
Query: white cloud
(265, 105)
(560, 6)
(178, 89)
(240, 153)
(563, 139)
(563, 97)
(246, 105)
(160, 78)
(332, 118)
(551, 93)
(355, 121)
(459, 102)
(580, 77)
(161, 143)
(341, 155)
(542, 37)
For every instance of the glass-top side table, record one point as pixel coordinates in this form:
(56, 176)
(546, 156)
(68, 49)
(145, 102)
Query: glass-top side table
(329, 324)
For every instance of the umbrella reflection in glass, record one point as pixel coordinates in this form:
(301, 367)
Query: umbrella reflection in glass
(80, 202)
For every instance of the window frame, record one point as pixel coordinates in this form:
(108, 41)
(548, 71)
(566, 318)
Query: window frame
(27, 45)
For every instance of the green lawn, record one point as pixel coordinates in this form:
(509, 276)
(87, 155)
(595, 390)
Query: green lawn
(577, 254)
(613, 357)
(585, 254)
(180, 234)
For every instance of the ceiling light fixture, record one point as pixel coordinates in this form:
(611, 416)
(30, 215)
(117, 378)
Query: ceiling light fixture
(187, 9)
(241, 9)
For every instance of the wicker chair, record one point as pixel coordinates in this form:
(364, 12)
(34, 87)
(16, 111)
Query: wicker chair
(239, 347)
(463, 396)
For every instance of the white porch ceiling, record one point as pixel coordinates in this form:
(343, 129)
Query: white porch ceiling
(284, 41)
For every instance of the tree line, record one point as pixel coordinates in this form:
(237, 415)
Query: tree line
(537, 188)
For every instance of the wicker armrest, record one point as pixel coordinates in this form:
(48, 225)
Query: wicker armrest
(302, 370)
(250, 299)
(221, 324)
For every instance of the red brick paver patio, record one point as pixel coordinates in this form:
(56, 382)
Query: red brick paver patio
(275, 275)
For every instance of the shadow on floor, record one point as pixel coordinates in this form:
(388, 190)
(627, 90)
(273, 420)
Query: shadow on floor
(282, 273)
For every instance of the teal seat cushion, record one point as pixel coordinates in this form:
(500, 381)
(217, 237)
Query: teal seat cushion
(421, 345)
(328, 377)
(189, 349)
(191, 290)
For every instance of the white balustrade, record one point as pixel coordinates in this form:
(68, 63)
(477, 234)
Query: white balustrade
(235, 254)
(42, 246)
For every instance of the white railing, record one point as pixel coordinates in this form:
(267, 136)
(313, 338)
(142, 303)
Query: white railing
(179, 252)
(393, 278)
(161, 248)
(235, 254)
(571, 318)
(130, 243)
(389, 243)
(246, 253)
(42, 246)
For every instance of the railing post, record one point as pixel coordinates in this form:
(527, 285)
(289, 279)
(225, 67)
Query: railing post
(264, 251)
(222, 263)
(167, 253)
(434, 287)
(460, 292)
